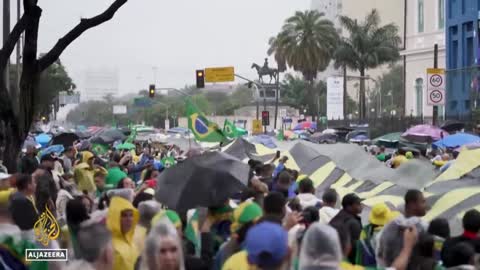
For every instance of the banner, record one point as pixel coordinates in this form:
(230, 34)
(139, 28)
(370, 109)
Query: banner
(335, 98)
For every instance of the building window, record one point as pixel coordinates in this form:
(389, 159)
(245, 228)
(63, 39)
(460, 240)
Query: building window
(441, 14)
(420, 17)
(419, 94)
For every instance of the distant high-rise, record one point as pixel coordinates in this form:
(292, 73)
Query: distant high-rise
(100, 83)
(331, 10)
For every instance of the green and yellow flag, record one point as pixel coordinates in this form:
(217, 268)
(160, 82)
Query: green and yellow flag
(231, 131)
(192, 232)
(204, 130)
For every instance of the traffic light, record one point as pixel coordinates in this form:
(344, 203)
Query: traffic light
(265, 118)
(151, 91)
(200, 78)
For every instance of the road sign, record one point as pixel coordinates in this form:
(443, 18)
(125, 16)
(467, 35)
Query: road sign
(219, 74)
(257, 126)
(142, 102)
(435, 86)
(119, 109)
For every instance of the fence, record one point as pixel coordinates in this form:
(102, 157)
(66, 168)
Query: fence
(380, 126)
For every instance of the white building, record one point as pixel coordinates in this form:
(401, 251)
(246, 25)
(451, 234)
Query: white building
(332, 9)
(425, 28)
(100, 83)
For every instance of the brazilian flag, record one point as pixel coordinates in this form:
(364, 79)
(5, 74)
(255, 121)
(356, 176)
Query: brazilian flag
(232, 131)
(204, 130)
(99, 149)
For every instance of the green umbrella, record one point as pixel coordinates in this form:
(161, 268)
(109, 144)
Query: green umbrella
(389, 140)
(125, 146)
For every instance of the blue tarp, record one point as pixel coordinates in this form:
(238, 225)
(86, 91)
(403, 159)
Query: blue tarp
(456, 140)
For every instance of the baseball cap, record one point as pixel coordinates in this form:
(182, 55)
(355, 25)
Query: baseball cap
(266, 244)
(350, 199)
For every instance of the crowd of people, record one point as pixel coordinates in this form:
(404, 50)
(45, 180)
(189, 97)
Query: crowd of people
(109, 219)
(441, 159)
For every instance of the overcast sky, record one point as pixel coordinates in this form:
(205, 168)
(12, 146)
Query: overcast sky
(176, 36)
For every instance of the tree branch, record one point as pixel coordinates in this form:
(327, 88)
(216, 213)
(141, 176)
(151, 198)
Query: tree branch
(85, 24)
(12, 39)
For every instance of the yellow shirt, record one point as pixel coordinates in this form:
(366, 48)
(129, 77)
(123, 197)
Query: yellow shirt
(238, 261)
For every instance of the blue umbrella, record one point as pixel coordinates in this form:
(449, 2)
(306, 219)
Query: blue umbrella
(43, 139)
(456, 140)
(55, 149)
(265, 140)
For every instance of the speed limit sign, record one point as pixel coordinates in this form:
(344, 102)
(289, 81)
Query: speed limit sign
(436, 86)
(436, 97)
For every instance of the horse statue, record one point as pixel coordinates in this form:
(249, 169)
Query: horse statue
(265, 71)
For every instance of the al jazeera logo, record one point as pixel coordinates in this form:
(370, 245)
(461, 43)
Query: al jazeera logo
(46, 229)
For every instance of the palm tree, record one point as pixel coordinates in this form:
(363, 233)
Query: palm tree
(306, 43)
(367, 46)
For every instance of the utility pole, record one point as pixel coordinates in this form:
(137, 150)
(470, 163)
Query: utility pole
(435, 65)
(345, 94)
(6, 32)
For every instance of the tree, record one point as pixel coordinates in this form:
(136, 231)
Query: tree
(16, 116)
(367, 46)
(388, 90)
(301, 94)
(306, 43)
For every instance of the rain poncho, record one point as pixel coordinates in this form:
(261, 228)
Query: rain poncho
(83, 174)
(114, 176)
(125, 251)
(391, 239)
(321, 248)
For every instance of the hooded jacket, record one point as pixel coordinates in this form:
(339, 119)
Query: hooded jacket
(125, 251)
(83, 174)
(308, 199)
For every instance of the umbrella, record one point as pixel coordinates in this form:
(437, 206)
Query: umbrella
(324, 137)
(114, 134)
(456, 140)
(83, 134)
(55, 149)
(205, 180)
(125, 146)
(43, 139)
(452, 126)
(306, 125)
(65, 139)
(389, 140)
(359, 138)
(264, 140)
(181, 142)
(102, 140)
(424, 133)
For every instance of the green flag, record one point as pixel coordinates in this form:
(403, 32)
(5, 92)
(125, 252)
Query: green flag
(192, 232)
(99, 149)
(204, 130)
(168, 162)
(281, 135)
(230, 130)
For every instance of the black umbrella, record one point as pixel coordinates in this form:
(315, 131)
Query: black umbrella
(102, 140)
(83, 134)
(205, 180)
(324, 138)
(113, 134)
(65, 139)
(451, 126)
